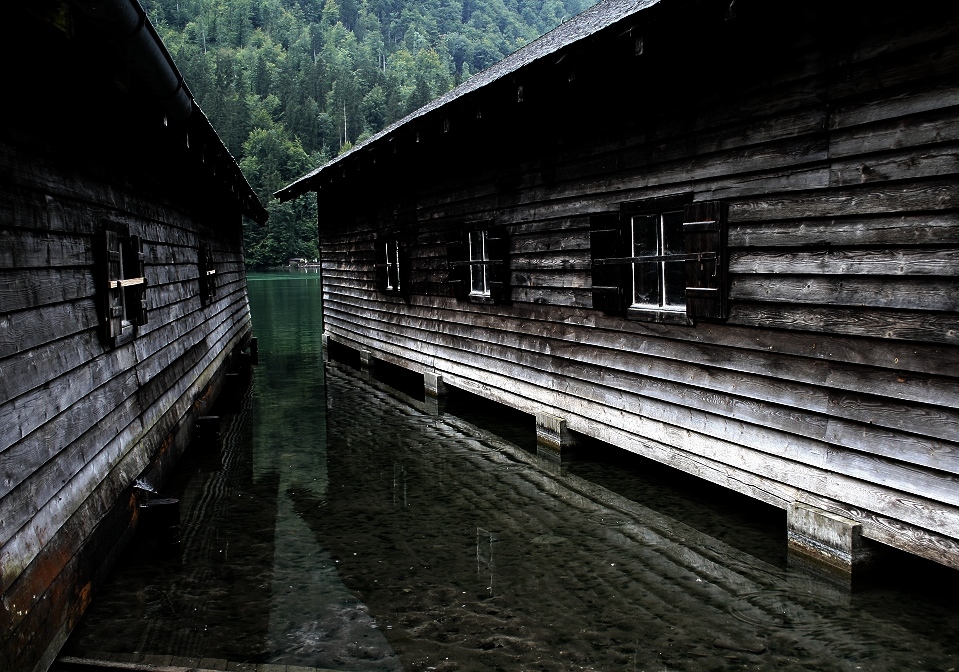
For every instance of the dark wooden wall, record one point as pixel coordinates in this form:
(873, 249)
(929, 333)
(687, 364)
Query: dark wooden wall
(832, 135)
(81, 420)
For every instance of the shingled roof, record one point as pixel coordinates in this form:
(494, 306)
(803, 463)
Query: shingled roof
(593, 20)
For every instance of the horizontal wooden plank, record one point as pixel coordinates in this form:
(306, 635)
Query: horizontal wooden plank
(911, 164)
(901, 325)
(919, 294)
(888, 262)
(24, 330)
(28, 290)
(29, 369)
(937, 228)
(891, 72)
(926, 195)
(560, 278)
(25, 248)
(577, 262)
(915, 98)
(915, 131)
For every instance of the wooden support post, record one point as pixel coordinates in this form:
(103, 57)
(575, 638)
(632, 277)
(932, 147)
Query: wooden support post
(161, 519)
(255, 351)
(827, 541)
(325, 340)
(553, 440)
(244, 365)
(366, 361)
(233, 386)
(208, 431)
(434, 393)
(433, 385)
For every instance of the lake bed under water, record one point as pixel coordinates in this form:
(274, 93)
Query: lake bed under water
(347, 523)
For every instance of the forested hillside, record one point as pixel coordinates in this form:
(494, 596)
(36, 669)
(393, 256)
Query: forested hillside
(289, 84)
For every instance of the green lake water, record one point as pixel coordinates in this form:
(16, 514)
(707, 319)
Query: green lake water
(347, 523)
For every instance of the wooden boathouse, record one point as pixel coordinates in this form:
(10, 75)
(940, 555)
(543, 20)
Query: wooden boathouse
(721, 234)
(122, 297)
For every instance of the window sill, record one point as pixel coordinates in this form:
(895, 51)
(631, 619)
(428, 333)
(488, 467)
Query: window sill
(660, 316)
(480, 298)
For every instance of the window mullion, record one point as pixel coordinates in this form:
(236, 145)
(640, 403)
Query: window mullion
(485, 257)
(661, 247)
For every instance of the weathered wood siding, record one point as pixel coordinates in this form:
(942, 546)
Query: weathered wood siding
(833, 138)
(80, 420)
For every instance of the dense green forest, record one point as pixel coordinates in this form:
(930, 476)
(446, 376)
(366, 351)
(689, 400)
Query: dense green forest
(290, 84)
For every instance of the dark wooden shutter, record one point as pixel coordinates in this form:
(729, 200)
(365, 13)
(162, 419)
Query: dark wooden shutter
(610, 281)
(111, 318)
(457, 260)
(497, 249)
(207, 269)
(210, 274)
(380, 260)
(136, 298)
(704, 230)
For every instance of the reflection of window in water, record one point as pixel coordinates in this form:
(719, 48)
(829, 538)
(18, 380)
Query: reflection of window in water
(484, 557)
(399, 483)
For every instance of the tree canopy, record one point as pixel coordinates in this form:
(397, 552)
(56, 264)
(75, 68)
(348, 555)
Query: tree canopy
(290, 84)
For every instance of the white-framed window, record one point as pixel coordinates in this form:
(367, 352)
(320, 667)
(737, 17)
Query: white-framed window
(478, 262)
(391, 253)
(661, 260)
(479, 272)
(391, 264)
(660, 282)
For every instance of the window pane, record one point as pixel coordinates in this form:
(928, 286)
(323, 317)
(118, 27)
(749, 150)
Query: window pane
(646, 284)
(645, 275)
(479, 279)
(674, 272)
(389, 266)
(644, 235)
(673, 242)
(478, 272)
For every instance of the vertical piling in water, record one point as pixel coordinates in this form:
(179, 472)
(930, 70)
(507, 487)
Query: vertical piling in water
(829, 543)
(160, 518)
(433, 385)
(255, 351)
(554, 443)
(435, 392)
(208, 431)
(366, 361)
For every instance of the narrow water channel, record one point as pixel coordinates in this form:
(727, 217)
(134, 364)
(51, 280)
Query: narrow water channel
(348, 524)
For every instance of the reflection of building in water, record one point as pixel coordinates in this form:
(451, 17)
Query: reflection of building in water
(492, 556)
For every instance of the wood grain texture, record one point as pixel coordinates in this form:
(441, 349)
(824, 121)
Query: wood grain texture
(835, 379)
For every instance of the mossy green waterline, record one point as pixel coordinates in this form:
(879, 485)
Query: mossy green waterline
(344, 526)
